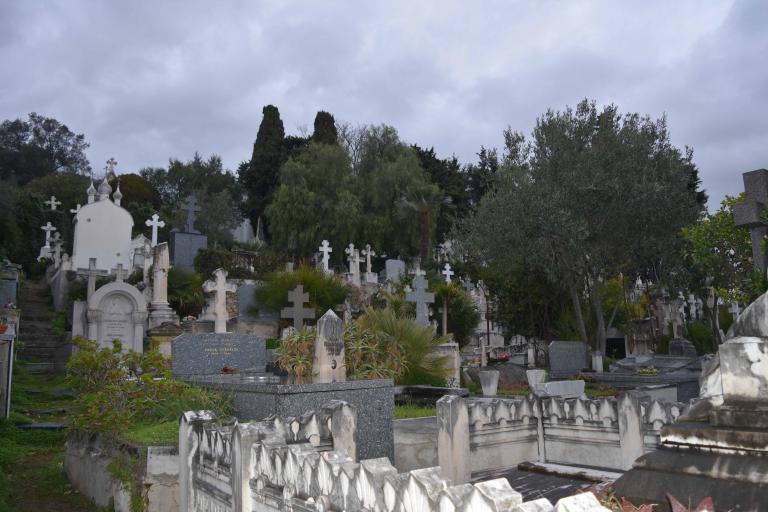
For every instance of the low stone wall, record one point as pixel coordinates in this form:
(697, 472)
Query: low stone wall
(415, 443)
(86, 464)
(307, 463)
(480, 434)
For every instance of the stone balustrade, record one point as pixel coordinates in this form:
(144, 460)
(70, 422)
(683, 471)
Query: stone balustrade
(480, 434)
(308, 463)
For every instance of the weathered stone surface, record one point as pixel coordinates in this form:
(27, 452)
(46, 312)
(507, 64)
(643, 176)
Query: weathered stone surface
(682, 348)
(489, 381)
(585, 502)
(562, 388)
(209, 354)
(184, 248)
(453, 439)
(540, 505)
(328, 362)
(567, 358)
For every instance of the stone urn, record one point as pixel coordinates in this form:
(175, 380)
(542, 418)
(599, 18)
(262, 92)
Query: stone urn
(489, 381)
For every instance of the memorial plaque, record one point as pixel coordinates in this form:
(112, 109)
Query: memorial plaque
(567, 358)
(216, 353)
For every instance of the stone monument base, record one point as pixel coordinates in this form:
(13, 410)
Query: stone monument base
(373, 399)
(697, 460)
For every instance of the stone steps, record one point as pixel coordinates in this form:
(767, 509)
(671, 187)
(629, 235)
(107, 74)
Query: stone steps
(37, 367)
(41, 344)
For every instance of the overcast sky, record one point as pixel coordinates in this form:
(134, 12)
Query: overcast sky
(145, 81)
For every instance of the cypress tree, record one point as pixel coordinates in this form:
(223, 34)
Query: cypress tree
(260, 177)
(325, 129)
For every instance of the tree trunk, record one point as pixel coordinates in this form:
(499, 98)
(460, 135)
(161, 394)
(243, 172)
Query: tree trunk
(597, 306)
(577, 311)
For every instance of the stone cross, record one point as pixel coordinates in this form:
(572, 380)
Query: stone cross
(447, 272)
(155, 223)
(468, 286)
(354, 263)
(326, 249)
(75, 210)
(48, 228)
(328, 362)
(191, 207)
(417, 270)
(57, 243)
(110, 167)
(421, 298)
(368, 253)
(53, 203)
(219, 287)
(120, 273)
(750, 213)
(735, 310)
(297, 311)
(92, 272)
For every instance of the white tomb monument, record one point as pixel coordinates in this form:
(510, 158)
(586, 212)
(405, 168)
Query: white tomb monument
(326, 249)
(154, 223)
(370, 276)
(102, 231)
(160, 311)
(219, 287)
(354, 264)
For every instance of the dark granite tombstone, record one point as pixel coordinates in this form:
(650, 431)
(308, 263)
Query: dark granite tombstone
(683, 348)
(210, 353)
(246, 301)
(184, 247)
(8, 290)
(567, 358)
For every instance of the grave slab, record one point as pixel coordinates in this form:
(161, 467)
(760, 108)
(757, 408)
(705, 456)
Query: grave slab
(210, 353)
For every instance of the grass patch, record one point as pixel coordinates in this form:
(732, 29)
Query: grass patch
(157, 434)
(405, 411)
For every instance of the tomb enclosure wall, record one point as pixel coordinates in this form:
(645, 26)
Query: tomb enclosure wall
(502, 432)
(299, 464)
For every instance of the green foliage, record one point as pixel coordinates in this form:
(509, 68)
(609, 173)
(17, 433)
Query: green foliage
(260, 177)
(700, 334)
(316, 199)
(325, 292)
(371, 353)
(295, 353)
(21, 216)
(140, 199)
(406, 411)
(185, 292)
(462, 313)
(208, 260)
(325, 129)
(154, 434)
(117, 391)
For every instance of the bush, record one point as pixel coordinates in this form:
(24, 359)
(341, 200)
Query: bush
(117, 391)
(295, 353)
(462, 312)
(325, 292)
(185, 292)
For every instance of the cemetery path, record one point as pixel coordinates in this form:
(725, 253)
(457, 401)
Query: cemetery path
(32, 461)
(40, 343)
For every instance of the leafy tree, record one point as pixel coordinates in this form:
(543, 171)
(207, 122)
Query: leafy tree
(269, 153)
(140, 199)
(721, 254)
(316, 199)
(38, 146)
(480, 177)
(325, 129)
(594, 194)
(462, 314)
(325, 292)
(447, 175)
(399, 204)
(185, 291)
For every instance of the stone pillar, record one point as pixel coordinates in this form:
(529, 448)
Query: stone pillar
(243, 439)
(94, 319)
(328, 363)
(190, 421)
(160, 311)
(630, 429)
(453, 452)
(597, 361)
(489, 381)
(531, 355)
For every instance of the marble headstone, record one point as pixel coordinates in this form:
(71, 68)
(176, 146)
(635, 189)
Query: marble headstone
(567, 358)
(328, 363)
(211, 353)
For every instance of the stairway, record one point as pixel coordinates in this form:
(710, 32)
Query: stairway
(40, 343)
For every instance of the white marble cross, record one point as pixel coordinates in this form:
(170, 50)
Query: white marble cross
(354, 263)
(368, 253)
(220, 287)
(92, 272)
(155, 223)
(326, 249)
(120, 273)
(735, 310)
(75, 209)
(110, 167)
(48, 228)
(421, 298)
(297, 312)
(53, 203)
(447, 272)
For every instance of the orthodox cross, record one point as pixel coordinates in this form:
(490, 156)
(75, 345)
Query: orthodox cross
(220, 287)
(297, 311)
(75, 209)
(417, 270)
(92, 272)
(120, 273)
(110, 167)
(326, 249)
(191, 207)
(750, 213)
(53, 203)
(421, 298)
(48, 228)
(155, 223)
(368, 253)
(447, 272)
(354, 259)
(468, 286)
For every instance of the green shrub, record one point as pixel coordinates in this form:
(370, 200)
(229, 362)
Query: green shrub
(295, 353)
(462, 313)
(185, 292)
(325, 292)
(117, 391)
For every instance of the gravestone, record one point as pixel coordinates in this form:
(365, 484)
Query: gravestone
(297, 311)
(328, 363)
(682, 347)
(246, 302)
(567, 358)
(421, 298)
(750, 213)
(394, 270)
(211, 353)
(326, 249)
(186, 244)
(160, 309)
(219, 287)
(117, 311)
